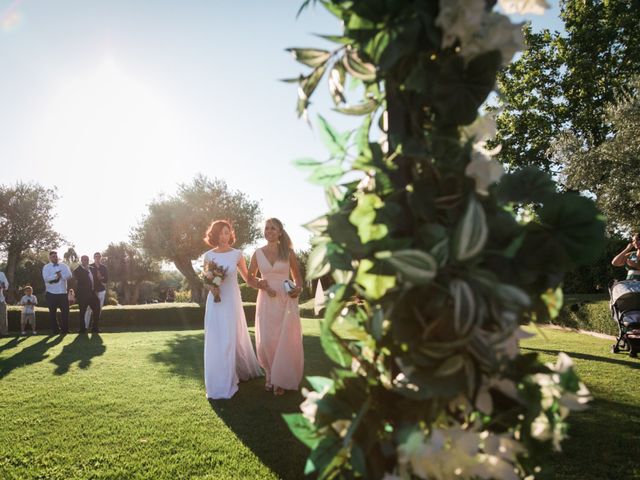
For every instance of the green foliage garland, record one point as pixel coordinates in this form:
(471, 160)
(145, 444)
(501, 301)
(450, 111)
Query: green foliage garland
(433, 269)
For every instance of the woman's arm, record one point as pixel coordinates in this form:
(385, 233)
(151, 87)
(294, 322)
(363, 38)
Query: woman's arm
(620, 259)
(242, 269)
(252, 273)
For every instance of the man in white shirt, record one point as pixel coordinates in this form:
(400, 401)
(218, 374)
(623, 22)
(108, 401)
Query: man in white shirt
(55, 276)
(4, 325)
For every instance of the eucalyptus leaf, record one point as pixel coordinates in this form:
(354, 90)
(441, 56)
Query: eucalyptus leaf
(357, 68)
(307, 163)
(337, 78)
(363, 108)
(311, 57)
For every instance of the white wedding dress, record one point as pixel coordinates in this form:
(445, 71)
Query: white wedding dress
(228, 352)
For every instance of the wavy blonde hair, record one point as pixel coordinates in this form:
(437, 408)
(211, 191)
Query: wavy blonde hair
(284, 242)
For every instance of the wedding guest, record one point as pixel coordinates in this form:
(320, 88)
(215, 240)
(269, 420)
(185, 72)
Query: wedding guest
(87, 283)
(629, 258)
(28, 302)
(102, 276)
(4, 324)
(278, 328)
(55, 276)
(171, 295)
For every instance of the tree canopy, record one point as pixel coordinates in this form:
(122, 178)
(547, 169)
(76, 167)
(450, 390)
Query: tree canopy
(26, 223)
(564, 83)
(129, 268)
(175, 226)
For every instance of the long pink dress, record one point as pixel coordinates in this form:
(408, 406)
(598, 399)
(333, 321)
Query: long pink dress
(278, 329)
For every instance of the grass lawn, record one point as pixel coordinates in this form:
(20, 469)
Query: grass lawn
(132, 405)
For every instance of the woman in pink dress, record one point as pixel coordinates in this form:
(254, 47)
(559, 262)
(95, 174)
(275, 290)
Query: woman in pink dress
(278, 329)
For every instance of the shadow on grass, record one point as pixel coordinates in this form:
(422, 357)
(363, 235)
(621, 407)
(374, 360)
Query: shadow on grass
(586, 356)
(82, 350)
(253, 414)
(32, 354)
(13, 343)
(604, 434)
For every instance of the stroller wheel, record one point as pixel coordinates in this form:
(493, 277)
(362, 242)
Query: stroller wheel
(615, 349)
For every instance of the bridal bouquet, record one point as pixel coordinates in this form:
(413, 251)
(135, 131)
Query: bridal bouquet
(214, 274)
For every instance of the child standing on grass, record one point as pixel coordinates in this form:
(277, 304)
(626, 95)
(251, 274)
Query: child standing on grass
(28, 302)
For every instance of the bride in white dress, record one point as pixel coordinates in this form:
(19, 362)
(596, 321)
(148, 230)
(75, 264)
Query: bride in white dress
(228, 352)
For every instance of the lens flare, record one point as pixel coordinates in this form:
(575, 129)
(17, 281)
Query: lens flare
(11, 18)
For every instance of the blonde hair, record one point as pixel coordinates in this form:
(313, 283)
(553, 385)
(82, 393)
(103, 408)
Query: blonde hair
(284, 241)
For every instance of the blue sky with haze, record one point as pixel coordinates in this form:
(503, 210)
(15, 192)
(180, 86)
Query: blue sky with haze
(115, 102)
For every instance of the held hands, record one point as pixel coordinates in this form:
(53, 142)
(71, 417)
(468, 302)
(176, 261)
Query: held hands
(264, 285)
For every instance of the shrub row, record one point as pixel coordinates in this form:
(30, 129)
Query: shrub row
(590, 315)
(167, 316)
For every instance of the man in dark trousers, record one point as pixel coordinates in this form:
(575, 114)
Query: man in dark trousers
(86, 285)
(55, 276)
(100, 273)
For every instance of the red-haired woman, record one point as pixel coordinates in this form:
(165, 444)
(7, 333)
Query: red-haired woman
(228, 353)
(278, 329)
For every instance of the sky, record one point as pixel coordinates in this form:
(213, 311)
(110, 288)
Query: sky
(117, 102)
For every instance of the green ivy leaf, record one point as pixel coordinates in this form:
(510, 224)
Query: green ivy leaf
(317, 264)
(375, 285)
(553, 299)
(326, 175)
(416, 266)
(333, 140)
(464, 306)
(320, 384)
(364, 217)
(322, 455)
(527, 185)
(460, 88)
(303, 429)
(471, 233)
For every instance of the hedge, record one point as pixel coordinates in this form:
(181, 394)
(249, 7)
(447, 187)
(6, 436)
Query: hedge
(170, 316)
(590, 315)
(167, 316)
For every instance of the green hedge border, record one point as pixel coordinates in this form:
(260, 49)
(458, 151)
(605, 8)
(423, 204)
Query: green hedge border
(589, 315)
(157, 316)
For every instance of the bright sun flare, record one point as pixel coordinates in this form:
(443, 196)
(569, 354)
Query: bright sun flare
(108, 121)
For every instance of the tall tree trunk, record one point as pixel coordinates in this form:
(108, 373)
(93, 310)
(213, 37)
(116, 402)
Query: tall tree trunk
(185, 267)
(129, 294)
(136, 293)
(13, 258)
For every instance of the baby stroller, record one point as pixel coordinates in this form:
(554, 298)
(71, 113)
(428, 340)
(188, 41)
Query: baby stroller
(625, 309)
